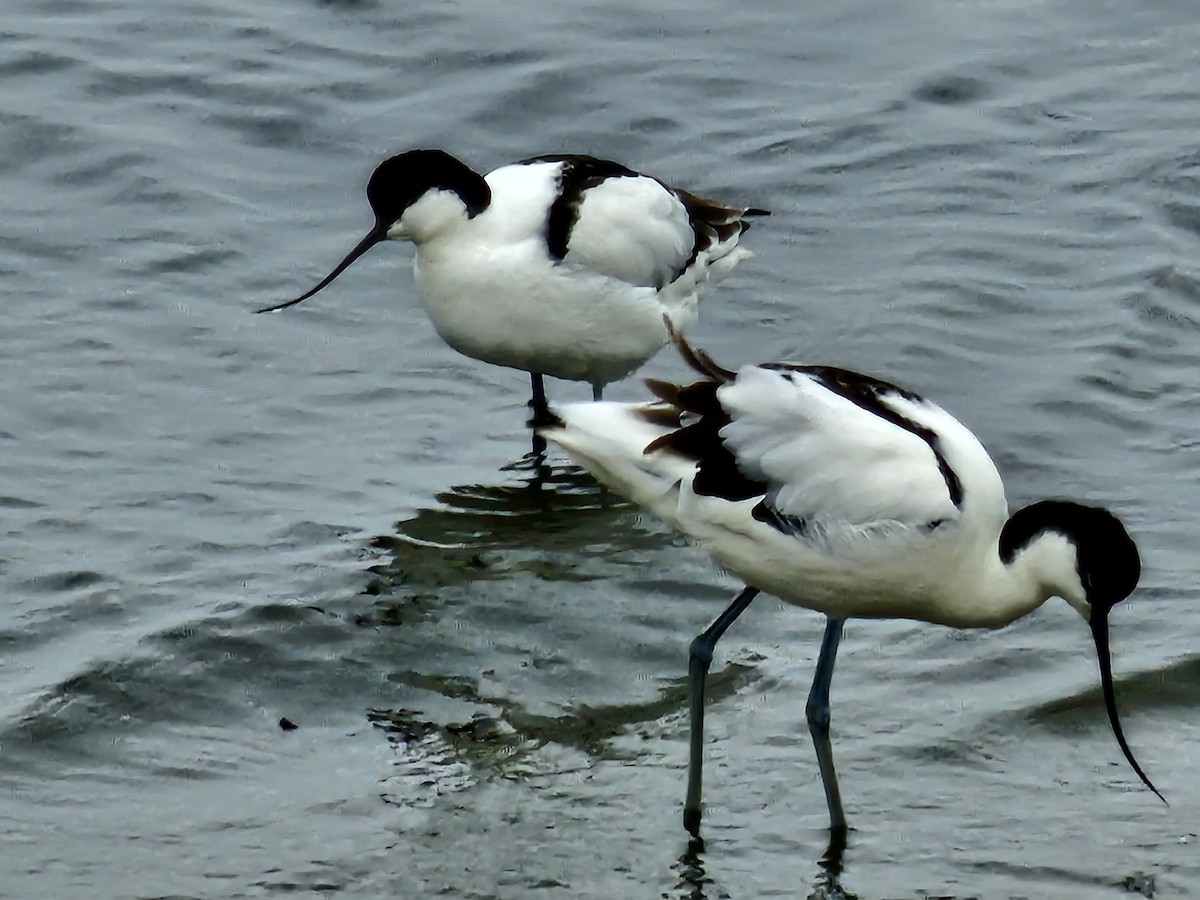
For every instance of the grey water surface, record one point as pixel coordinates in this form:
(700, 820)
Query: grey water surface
(213, 520)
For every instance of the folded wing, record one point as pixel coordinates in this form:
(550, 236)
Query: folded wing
(834, 446)
(636, 229)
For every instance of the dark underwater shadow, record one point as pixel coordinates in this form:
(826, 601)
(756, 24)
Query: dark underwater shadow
(510, 555)
(535, 501)
(551, 521)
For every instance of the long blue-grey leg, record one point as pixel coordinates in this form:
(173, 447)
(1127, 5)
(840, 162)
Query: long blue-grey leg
(700, 656)
(597, 392)
(818, 723)
(538, 402)
(541, 414)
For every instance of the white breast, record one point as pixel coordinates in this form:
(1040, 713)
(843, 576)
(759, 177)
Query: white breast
(493, 292)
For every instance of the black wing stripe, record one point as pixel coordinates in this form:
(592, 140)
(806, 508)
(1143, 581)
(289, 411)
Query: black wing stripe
(711, 222)
(717, 472)
(579, 173)
(781, 522)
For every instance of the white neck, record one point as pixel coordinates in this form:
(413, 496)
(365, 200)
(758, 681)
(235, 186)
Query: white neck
(1044, 568)
(437, 213)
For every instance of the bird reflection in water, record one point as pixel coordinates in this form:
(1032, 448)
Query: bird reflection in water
(694, 882)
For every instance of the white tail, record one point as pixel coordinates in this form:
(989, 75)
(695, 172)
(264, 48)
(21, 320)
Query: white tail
(609, 440)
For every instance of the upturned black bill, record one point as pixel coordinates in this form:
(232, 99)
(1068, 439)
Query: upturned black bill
(373, 237)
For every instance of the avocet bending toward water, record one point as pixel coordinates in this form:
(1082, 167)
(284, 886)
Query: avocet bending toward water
(852, 497)
(559, 265)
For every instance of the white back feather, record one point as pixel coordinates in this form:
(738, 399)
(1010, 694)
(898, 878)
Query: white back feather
(521, 194)
(826, 459)
(633, 229)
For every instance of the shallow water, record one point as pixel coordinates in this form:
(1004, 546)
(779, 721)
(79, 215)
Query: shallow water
(214, 520)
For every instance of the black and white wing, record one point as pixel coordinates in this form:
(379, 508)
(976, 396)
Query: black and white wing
(821, 445)
(634, 228)
(836, 446)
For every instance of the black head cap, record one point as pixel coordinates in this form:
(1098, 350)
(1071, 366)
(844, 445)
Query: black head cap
(1109, 567)
(1107, 558)
(399, 182)
(395, 185)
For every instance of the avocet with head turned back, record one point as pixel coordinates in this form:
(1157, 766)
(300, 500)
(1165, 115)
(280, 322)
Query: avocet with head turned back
(560, 265)
(852, 497)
